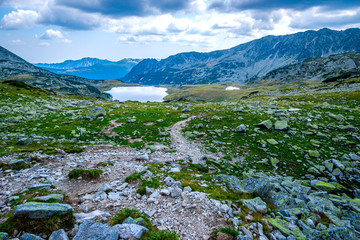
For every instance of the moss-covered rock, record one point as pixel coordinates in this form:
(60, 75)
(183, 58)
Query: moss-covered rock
(287, 228)
(38, 210)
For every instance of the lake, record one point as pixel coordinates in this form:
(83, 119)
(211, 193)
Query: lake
(141, 94)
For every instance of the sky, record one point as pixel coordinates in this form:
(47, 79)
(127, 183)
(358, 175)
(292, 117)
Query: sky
(57, 30)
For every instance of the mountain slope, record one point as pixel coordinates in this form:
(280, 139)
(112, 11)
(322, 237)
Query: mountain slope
(316, 69)
(15, 68)
(92, 68)
(240, 63)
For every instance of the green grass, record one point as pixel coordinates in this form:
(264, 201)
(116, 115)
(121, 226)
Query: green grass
(163, 235)
(228, 231)
(85, 173)
(135, 214)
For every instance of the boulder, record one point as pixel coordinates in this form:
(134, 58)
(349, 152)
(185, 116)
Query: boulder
(4, 236)
(39, 186)
(37, 210)
(332, 233)
(130, 231)
(29, 236)
(59, 235)
(255, 204)
(14, 162)
(287, 228)
(267, 124)
(240, 129)
(260, 186)
(96, 112)
(59, 197)
(91, 230)
(281, 125)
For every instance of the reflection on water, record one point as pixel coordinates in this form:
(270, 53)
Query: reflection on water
(141, 94)
(232, 88)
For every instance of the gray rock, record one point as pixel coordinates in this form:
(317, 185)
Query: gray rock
(97, 214)
(14, 162)
(175, 170)
(281, 125)
(29, 236)
(91, 230)
(354, 157)
(59, 197)
(105, 188)
(59, 235)
(333, 233)
(4, 236)
(240, 129)
(265, 124)
(143, 157)
(260, 186)
(130, 231)
(255, 204)
(37, 210)
(175, 192)
(96, 112)
(187, 189)
(39, 186)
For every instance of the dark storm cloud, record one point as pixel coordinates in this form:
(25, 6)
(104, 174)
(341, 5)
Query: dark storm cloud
(236, 5)
(123, 8)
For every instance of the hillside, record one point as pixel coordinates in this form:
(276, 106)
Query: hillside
(316, 69)
(240, 63)
(92, 68)
(12, 67)
(278, 161)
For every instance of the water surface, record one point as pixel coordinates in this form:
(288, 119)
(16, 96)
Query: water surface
(141, 94)
(231, 88)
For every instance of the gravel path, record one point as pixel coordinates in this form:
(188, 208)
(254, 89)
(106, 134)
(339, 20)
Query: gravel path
(185, 148)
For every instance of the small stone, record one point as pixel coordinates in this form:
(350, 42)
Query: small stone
(175, 170)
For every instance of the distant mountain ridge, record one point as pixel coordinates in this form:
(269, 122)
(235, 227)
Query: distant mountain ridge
(316, 69)
(92, 68)
(12, 67)
(245, 61)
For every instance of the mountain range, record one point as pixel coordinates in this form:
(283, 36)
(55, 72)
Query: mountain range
(13, 67)
(245, 61)
(338, 66)
(92, 68)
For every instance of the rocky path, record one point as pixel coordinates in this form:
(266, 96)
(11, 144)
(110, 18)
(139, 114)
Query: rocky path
(184, 148)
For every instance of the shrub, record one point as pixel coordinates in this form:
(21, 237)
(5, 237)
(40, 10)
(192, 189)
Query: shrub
(163, 235)
(84, 173)
(134, 213)
(227, 231)
(133, 177)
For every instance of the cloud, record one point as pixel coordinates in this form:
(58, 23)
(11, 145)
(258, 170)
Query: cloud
(316, 18)
(68, 18)
(127, 8)
(51, 34)
(17, 42)
(19, 19)
(44, 44)
(65, 40)
(241, 5)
